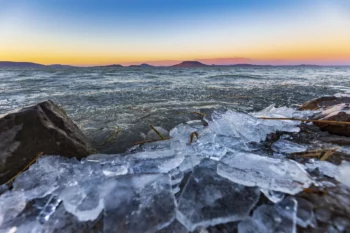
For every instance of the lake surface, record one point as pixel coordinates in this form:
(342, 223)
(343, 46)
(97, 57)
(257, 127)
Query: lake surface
(101, 100)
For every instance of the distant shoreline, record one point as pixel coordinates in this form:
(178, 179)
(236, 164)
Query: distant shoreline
(184, 64)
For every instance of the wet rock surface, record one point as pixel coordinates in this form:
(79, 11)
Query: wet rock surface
(44, 128)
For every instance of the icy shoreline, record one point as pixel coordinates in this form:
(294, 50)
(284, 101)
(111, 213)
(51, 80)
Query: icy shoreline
(175, 185)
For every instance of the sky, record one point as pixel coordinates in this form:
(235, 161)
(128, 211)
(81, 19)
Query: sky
(163, 32)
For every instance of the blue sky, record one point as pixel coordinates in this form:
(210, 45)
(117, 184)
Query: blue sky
(124, 31)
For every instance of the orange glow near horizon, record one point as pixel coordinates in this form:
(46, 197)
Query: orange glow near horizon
(331, 52)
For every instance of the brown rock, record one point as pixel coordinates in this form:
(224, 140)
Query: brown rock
(45, 128)
(324, 102)
(339, 112)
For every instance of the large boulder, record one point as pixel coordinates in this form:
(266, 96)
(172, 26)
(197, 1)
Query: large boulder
(44, 128)
(325, 102)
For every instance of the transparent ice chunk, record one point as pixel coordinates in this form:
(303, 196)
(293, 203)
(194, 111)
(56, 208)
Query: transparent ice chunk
(84, 204)
(288, 147)
(273, 196)
(209, 199)
(249, 169)
(48, 209)
(305, 213)
(11, 205)
(139, 203)
(272, 219)
(343, 173)
(174, 227)
(327, 168)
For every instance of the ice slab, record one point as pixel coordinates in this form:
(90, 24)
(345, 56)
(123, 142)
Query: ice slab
(272, 219)
(273, 196)
(11, 205)
(287, 147)
(174, 227)
(327, 168)
(48, 209)
(160, 161)
(251, 129)
(280, 112)
(83, 202)
(209, 199)
(139, 203)
(283, 175)
(305, 213)
(341, 173)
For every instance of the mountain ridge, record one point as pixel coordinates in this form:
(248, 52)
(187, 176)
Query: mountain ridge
(183, 64)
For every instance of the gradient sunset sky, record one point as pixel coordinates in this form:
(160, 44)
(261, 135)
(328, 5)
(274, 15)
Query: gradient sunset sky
(94, 32)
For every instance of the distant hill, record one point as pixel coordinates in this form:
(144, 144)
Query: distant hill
(111, 66)
(11, 64)
(242, 65)
(144, 65)
(190, 64)
(60, 66)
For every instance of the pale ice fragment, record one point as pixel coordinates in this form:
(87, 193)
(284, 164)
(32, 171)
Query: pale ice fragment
(249, 169)
(48, 209)
(139, 203)
(273, 196)
(11, 205)
(209, 199)
(174, 227)
(84, 204)
(276, 218)
(288, 147)
(305, 213)
(343, 173)
(327, 168)
(250, 225)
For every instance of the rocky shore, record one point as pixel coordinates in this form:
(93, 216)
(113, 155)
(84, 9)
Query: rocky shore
(322, 148)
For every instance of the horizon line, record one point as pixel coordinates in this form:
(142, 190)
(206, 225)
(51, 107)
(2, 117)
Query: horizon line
(176, 62)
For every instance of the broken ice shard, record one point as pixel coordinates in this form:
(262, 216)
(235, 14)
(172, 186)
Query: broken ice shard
(272, 218)
(273, 196)
(249, 169)
(209, 199)
(48, 209)
(248, 127)
(305, 213)
(139, 203)
(11, 205)
(288, 147)
(174, 227)
(326, 168)
(83, 202)
(161, 161)
(343, 173)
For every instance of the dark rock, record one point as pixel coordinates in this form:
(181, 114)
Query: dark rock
(339, 112)
(324, 102)
(45, 128)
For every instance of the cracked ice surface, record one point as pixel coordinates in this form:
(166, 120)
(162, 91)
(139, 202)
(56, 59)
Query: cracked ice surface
(341, 173)
(209, 199)
(141, 203)
(281, 217)
(161, 186)
(249, 169)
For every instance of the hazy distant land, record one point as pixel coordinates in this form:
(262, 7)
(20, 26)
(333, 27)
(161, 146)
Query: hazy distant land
(184, 64)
